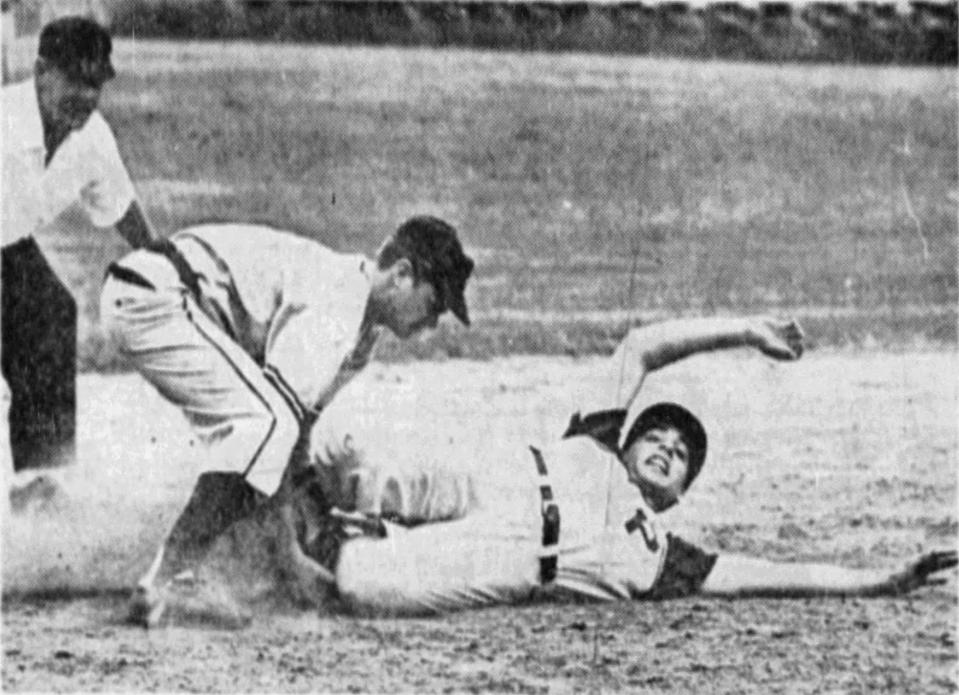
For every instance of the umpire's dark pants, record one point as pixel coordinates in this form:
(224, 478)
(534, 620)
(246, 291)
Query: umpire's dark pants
(39, 350)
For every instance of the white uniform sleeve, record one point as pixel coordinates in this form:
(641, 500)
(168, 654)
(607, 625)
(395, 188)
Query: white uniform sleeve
(106, 191)
(22, 195)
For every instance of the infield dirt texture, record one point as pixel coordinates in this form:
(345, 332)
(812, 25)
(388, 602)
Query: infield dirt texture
(594, 192)
(846, 457)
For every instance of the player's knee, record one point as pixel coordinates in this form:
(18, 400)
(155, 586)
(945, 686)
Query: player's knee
(286, 430)
(273, 435)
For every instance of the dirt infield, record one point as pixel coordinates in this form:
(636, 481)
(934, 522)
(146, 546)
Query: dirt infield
(892, 646)
(846, 457)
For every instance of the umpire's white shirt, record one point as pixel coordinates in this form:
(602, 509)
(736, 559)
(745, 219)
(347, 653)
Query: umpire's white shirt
(86, 169)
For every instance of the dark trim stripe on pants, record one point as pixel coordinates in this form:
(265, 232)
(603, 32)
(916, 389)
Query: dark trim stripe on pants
(182, 351)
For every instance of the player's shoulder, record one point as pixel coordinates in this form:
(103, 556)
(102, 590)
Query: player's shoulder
(226, 234)
(342, 278)
(21, 115)
(684, 569)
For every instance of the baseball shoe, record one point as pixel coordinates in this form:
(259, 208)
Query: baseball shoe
(146, 607)
(218, 500)
(187, 600)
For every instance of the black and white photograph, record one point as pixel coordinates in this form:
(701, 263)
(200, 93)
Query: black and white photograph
(480, 346)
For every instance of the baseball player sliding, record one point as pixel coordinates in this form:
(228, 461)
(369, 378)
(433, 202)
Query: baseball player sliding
(582, 518)
(252, 331)
(585, 520)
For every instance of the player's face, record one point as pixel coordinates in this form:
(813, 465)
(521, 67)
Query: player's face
(657, 463)
(65, 102)
(415, 307)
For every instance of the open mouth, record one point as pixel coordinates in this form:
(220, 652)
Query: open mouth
(659, 463)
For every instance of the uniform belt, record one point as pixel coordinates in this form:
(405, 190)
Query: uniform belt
(548, 561)
(167, 249)
(128, 275)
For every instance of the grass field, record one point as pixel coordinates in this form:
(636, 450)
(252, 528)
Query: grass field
(594, 191)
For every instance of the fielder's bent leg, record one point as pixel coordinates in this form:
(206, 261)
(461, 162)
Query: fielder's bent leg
(260, 559)
(245, 425)
(260, 562)
(218, 500)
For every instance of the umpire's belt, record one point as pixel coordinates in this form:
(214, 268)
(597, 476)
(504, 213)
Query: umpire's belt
(550, 511)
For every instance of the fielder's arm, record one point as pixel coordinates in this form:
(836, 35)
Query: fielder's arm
(135, 228)
(655, 346)
(736, 576)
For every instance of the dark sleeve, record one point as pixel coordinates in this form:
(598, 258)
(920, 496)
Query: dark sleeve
(603, 426)
(684, 570)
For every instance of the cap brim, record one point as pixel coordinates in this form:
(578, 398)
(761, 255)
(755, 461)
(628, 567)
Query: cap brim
(457, 305)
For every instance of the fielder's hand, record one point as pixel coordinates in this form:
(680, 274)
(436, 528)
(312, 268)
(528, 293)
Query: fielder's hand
(781, 340)
(920, 572)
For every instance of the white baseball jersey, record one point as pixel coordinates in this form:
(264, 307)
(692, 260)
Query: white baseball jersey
(86, 169)
(295, 306)
(276, 330)
(610, 545)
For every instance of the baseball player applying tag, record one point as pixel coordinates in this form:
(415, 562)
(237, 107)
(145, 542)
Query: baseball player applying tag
(252, 331)
(581, 517)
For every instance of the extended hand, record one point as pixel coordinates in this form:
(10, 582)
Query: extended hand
(781, 340)
(920, 572)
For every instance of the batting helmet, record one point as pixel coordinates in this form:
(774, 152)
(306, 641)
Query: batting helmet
(673, 415)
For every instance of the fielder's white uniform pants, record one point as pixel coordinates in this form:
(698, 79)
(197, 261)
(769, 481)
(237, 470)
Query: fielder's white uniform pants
(242, 420)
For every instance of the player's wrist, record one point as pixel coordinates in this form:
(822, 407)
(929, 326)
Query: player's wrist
(750, 335)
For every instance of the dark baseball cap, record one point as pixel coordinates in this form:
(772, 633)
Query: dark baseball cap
(677, 416)
(80, 47)
(434, 249)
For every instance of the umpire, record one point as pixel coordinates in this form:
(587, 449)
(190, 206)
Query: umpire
(58, 152)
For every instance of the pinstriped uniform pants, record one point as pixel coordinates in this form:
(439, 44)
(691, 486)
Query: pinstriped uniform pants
(244, 422)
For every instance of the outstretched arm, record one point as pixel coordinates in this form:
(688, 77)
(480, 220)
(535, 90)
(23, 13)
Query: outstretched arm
(741, 577)
(655, 346)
